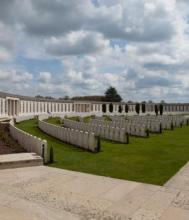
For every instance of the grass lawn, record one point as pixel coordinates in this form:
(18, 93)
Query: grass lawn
(107, 118)
(55, 121)
(88, 118)
(74, 118)
(150, 160)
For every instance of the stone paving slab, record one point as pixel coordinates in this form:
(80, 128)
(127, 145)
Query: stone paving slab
(180, 180)
(173, 213)
(37, 193)
(18, 157)
(19, 160)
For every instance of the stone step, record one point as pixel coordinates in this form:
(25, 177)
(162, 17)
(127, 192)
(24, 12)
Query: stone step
(5, 119)
(20, 160)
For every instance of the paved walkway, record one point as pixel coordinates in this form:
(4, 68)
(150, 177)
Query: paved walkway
(44, 193)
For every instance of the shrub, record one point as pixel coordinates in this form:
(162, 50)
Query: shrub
(156, 109)
(143, 107)
(127, 136)
(98, 144)
(126, 108)
(104, 108)
(120, 109)
(160, 128)
(111, 107)
(137, 108)
(147, 133)
(51, 160)
(161, 109)
(172, 126)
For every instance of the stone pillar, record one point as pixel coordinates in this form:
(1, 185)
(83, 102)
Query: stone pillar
(33, 107)
(11, 105)
(49, 107)
(24, 105)
(29, 107)
(5, 107)
(14, 107)
(18, 107)
(0, 106)
(107, 108)
(43, 107)
(15, 103)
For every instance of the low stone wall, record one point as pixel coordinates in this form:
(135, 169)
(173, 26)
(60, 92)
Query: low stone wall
(28, 142)
(24, 118)
(81, 139)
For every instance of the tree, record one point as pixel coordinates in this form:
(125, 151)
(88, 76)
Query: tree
(126, 108)
(104, 108)
(66, 97)
(111, 107)
(96, 98)
(120, 109)
(161, 109)
(137, 108)
(43, 97)
(156, 109)
(143, 107)
(111, 95)
(49, 97)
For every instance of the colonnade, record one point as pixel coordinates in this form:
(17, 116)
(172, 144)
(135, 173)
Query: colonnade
(13, 106)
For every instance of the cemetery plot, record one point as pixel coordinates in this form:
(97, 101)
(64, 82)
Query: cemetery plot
(151, 160)
(85, 140)
(103, 130)
(153, 124)
(133, 129)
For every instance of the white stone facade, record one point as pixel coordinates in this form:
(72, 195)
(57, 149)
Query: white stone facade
(14, 106)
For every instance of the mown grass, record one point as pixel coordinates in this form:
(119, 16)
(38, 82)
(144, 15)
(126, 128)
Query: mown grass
(55, 120)
(74, 118)
(107, 118)
(87, 119)
(150, 160)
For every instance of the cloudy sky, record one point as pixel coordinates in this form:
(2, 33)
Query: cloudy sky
(80, 47)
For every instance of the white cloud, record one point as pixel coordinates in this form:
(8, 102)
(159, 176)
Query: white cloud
(14, 76)
(141, 47)
(76, 43)
(45, 77)
(4, 55)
